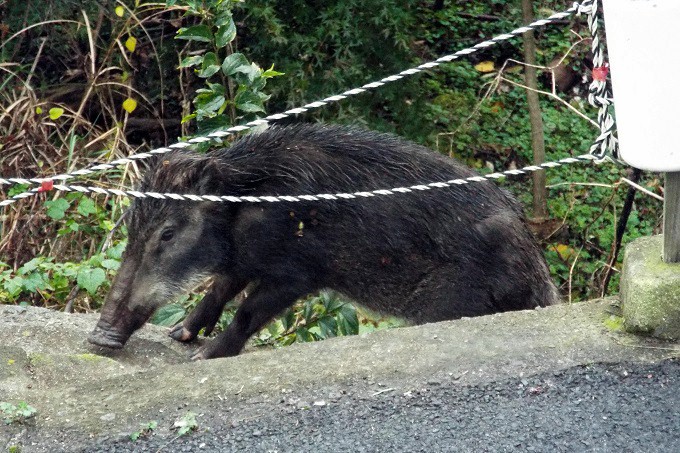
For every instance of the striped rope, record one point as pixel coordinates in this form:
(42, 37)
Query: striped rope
(300, 198)
(599, 94)
(584, 7)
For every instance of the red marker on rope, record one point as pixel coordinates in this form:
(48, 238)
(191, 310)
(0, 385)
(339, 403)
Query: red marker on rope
(46, 186)
(600, 73)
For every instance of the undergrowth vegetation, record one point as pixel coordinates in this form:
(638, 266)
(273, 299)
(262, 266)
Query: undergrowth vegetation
(20, 413)
(86, 82)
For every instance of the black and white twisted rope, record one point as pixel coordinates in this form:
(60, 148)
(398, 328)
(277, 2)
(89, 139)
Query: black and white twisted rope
(599, 93)
(300, 198)
(575, 8)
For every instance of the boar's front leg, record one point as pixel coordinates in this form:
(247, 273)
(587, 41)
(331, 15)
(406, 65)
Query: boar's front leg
(265, 302)
(208, 311)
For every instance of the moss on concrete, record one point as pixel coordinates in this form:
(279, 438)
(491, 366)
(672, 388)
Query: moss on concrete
(36, 359)
(91, 358)
(650, 290)
(613, 323)
(12, 360)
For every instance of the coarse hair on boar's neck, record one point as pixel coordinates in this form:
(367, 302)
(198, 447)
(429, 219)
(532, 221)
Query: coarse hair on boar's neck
(427, 255)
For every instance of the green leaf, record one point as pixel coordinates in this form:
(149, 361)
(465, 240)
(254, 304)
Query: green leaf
(14, 286)
(348, 320)
(217, 88)
(308, 311)
(96, 260)
(60, 281)
(70, 270)
(209, 66)
(191, 61)
(209, 102)
(86, 207)
(144, 430)
(247, 75)
(56, 209)
(111, 264)
(275, 329)
(186, 424)
(71, 225)
(31, 265)
(225, 34)
(328, 326)
(116, 252)
(269, 73)
(15, 190)
(106, 224)
(24, 410)
(56, 112)
(329, 301)
(90, 279)
(35, 282)
(303, 334)
(208, 125)
(257, 84)
(248, 101)
(188, 118)
(223, 17)
(288, 320)
(169, 315)
(234, 63)
(199, 33)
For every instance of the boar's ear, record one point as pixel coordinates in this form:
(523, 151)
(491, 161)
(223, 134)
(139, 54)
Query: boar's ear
(185, 173)
(221, 178)
(210, 178)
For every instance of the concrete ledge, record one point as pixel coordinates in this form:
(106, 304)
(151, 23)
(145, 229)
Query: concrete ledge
(650, 290)
(45, 361)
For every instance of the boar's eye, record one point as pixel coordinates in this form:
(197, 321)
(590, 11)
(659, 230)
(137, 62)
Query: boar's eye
(166, 235)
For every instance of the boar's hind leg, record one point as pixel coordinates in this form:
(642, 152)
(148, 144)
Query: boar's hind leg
(208, 311)
(265, 302)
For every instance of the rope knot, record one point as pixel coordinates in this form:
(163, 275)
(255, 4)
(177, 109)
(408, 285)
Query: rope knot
(586, 7)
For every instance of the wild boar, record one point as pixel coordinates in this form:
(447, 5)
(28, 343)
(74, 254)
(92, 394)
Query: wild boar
(425, 256)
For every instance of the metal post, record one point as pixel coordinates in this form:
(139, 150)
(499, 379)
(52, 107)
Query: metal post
(671, 218)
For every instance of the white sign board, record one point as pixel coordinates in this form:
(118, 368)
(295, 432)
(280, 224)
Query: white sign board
(644, 52)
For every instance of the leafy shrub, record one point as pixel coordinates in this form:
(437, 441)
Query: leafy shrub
(16, 414)
(316, 318)
(186, 424)
(145, 430)
(232, 84)
(44, 281)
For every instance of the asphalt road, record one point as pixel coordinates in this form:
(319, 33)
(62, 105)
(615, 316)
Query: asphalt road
(598, 408)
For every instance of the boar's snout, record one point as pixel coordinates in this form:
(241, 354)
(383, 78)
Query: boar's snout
(125, 310)
(104, 335)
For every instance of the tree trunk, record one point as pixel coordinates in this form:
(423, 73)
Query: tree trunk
(540, 204)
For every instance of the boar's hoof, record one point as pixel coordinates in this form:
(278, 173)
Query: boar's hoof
(181, 333)
(214, 349)
(198, 354)
(100, 338)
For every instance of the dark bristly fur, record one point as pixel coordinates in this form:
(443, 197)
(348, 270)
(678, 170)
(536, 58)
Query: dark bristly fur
(424, 256)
